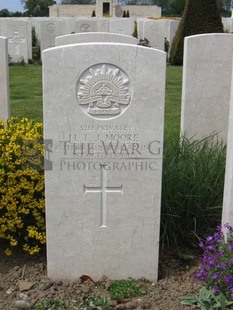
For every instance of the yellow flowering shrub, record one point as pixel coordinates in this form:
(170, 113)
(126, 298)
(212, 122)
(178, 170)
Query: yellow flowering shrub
(22, 203)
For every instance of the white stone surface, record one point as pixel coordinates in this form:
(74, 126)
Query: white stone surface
(4, 80)
(137, 11)
(154, 31)
(173, 26)
(140, 23)
(49, 30)
(94, 37)
(103, 24)
(206, 85)
(157, 30)
(86, 25)
(227, 212)
(122, 26)
(227, 24)
(82, 10)
(36, 23)
(104, 111)
(29, 36)
(17, 33)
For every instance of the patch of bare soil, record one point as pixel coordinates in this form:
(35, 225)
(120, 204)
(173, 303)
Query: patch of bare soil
(24, 279)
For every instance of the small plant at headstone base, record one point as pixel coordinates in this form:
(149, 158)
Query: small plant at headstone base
(124, 14)
(127, 289)
(216, 272)
(127, 13)
(206, 299)
(22, 205)
(96, 302)
(51, 304)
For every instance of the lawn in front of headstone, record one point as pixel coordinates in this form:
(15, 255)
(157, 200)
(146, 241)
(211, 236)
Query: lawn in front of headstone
(26, 91)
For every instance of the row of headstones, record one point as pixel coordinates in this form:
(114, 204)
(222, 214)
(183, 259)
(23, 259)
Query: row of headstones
(206, 79)
(103, 111)
(103, 200)
(19, 31)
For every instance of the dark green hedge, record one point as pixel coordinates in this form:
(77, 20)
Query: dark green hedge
(200, 16)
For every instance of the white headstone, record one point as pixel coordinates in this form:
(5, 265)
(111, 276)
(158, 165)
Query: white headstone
(173, 26)
(227, 212)
(29, 36)
(49, 30)
(140, 23)
(103, 24)
(155, 31)
(17, 33)
(227, 24)
(36, 23)
(121, 26)
(94, 37)
(104, 117)
(4, 81)
(206, 85)
(86, 25)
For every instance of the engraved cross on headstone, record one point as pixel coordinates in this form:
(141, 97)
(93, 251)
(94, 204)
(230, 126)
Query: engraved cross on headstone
(16, 40)
(103, 189)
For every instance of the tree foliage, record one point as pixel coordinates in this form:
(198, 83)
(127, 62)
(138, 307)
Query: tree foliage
(77, 1)
(199, 17)
(37, 7)
(7, 13)
(176, 7)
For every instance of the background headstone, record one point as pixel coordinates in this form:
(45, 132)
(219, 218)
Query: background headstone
(206, 85)
(104, 119)
(49, 30)
(121, 26)
(227, 24)
(227, 212)
(86, 25)
(103, 24)
(4, 81)
(155, 31)
(94, 37)
(17, 33)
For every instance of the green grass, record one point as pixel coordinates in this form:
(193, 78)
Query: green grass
(173, 101)
(26, 91)
(26, 95)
